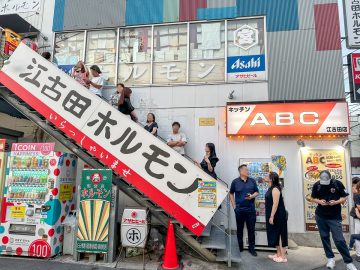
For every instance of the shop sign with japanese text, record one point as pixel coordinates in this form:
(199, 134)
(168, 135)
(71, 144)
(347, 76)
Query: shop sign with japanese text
(313, 162)
(19, 6)
(311, 118)
(32, 149)
(352, 23)
(354, 76)
(162, 174)
(94, 212)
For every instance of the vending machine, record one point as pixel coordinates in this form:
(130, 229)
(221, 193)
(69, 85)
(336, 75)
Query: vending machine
(38, 193)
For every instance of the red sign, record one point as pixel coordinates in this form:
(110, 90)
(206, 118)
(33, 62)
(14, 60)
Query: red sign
(40, 249)
(354, 76)
(312, 118)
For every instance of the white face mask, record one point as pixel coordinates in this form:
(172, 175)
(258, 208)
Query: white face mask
(324, 179)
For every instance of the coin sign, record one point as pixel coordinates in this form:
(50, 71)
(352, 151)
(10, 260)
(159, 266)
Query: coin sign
(133, 236)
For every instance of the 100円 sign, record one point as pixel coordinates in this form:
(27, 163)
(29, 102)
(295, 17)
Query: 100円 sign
(163, 175)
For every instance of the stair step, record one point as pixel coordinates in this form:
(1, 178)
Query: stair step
(216, 240)
(222, 255)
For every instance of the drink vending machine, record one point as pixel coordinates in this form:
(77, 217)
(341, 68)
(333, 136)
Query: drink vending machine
(38, 193)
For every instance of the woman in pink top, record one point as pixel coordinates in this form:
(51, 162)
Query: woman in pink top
(80, 74)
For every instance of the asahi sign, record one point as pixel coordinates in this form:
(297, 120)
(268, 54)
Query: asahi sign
(311, 118)
(166, 177)
(352, 23)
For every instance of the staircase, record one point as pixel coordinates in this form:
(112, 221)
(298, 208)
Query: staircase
(206, 249)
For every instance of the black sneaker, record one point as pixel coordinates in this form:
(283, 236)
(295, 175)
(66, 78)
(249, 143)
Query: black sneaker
(253, 252)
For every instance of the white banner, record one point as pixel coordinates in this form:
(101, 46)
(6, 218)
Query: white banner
(19, 6)
(352, 23)
(166, 177)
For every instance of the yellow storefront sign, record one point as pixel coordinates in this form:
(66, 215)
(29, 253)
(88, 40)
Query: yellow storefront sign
(66, 192)
(207, 122)
(17, 212)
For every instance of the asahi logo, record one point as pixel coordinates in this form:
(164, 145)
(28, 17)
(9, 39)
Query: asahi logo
(242, 64)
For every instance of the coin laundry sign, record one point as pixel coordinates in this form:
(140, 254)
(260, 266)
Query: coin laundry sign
(163, 175)
(288, 119)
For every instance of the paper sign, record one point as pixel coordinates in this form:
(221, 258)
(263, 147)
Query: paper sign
(162, 174)
(207, 194)
(66, 192)
(206, 122)
(17, 212)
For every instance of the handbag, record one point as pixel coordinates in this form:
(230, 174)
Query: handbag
(352, 212)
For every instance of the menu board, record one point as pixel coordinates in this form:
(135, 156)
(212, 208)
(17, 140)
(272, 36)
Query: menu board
(315, 161)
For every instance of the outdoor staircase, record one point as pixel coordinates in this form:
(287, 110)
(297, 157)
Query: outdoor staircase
(213, 245)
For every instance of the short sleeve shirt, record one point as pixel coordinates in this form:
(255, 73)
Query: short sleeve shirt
(100, 81)
(334, 191)
(241, 188)
(178, 137)
(151, 127)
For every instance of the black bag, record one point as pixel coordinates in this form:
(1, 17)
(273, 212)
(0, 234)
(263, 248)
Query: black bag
(352, 212)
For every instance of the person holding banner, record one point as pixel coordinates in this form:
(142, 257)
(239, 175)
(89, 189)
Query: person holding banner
(329, 194)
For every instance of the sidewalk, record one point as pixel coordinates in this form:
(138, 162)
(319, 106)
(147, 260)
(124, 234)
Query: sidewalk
(303, 258)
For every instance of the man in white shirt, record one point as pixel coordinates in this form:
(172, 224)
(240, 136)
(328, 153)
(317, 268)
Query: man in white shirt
(177, 139)
(97, 82)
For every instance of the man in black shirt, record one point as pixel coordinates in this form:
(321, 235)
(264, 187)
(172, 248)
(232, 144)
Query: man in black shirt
(330, 194)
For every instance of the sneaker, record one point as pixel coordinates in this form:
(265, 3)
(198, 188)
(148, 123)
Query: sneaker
(330, 264)
(350, 266)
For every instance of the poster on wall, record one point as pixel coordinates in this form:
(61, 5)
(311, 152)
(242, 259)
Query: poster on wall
(94, 212)
(313, 162)
(207, 194)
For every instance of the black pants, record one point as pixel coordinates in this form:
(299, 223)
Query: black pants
(250, 219)
(326, 226)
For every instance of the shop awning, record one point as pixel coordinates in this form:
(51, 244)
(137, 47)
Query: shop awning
(18, 25)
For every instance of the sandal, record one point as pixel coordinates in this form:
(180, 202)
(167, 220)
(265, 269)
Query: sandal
(280, 260)
(272, 256)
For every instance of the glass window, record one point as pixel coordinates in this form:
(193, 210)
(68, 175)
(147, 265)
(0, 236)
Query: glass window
(69, 49)
(246, 50)
(101, 51)
(135, 55)
(207, 52)
(170, 54)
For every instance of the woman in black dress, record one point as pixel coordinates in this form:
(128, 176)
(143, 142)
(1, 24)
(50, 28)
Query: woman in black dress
(124, 104)
(209, 161)
(151, 125)
(276, 219)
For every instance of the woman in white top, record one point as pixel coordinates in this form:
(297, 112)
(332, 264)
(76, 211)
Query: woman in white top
(97, 81)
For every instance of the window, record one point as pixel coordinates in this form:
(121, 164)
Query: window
(135, 55)
(170, 54)
(207, 52)
(69, 49)
(101, 51)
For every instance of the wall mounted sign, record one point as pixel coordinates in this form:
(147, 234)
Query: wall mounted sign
(166, 177)
(311, 118)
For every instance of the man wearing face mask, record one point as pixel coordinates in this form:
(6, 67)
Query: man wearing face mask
(330, 194)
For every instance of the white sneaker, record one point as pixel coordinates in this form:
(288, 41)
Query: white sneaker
(331, 264)
(351, 266)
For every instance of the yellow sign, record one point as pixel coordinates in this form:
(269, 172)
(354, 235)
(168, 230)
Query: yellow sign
(315, 161)
(66, 192)
(207, 122)
(17, 211)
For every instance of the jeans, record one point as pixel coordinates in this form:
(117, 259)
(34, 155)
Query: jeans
(250, 219)
(326, 226)
(353, 238)
(357, 231)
